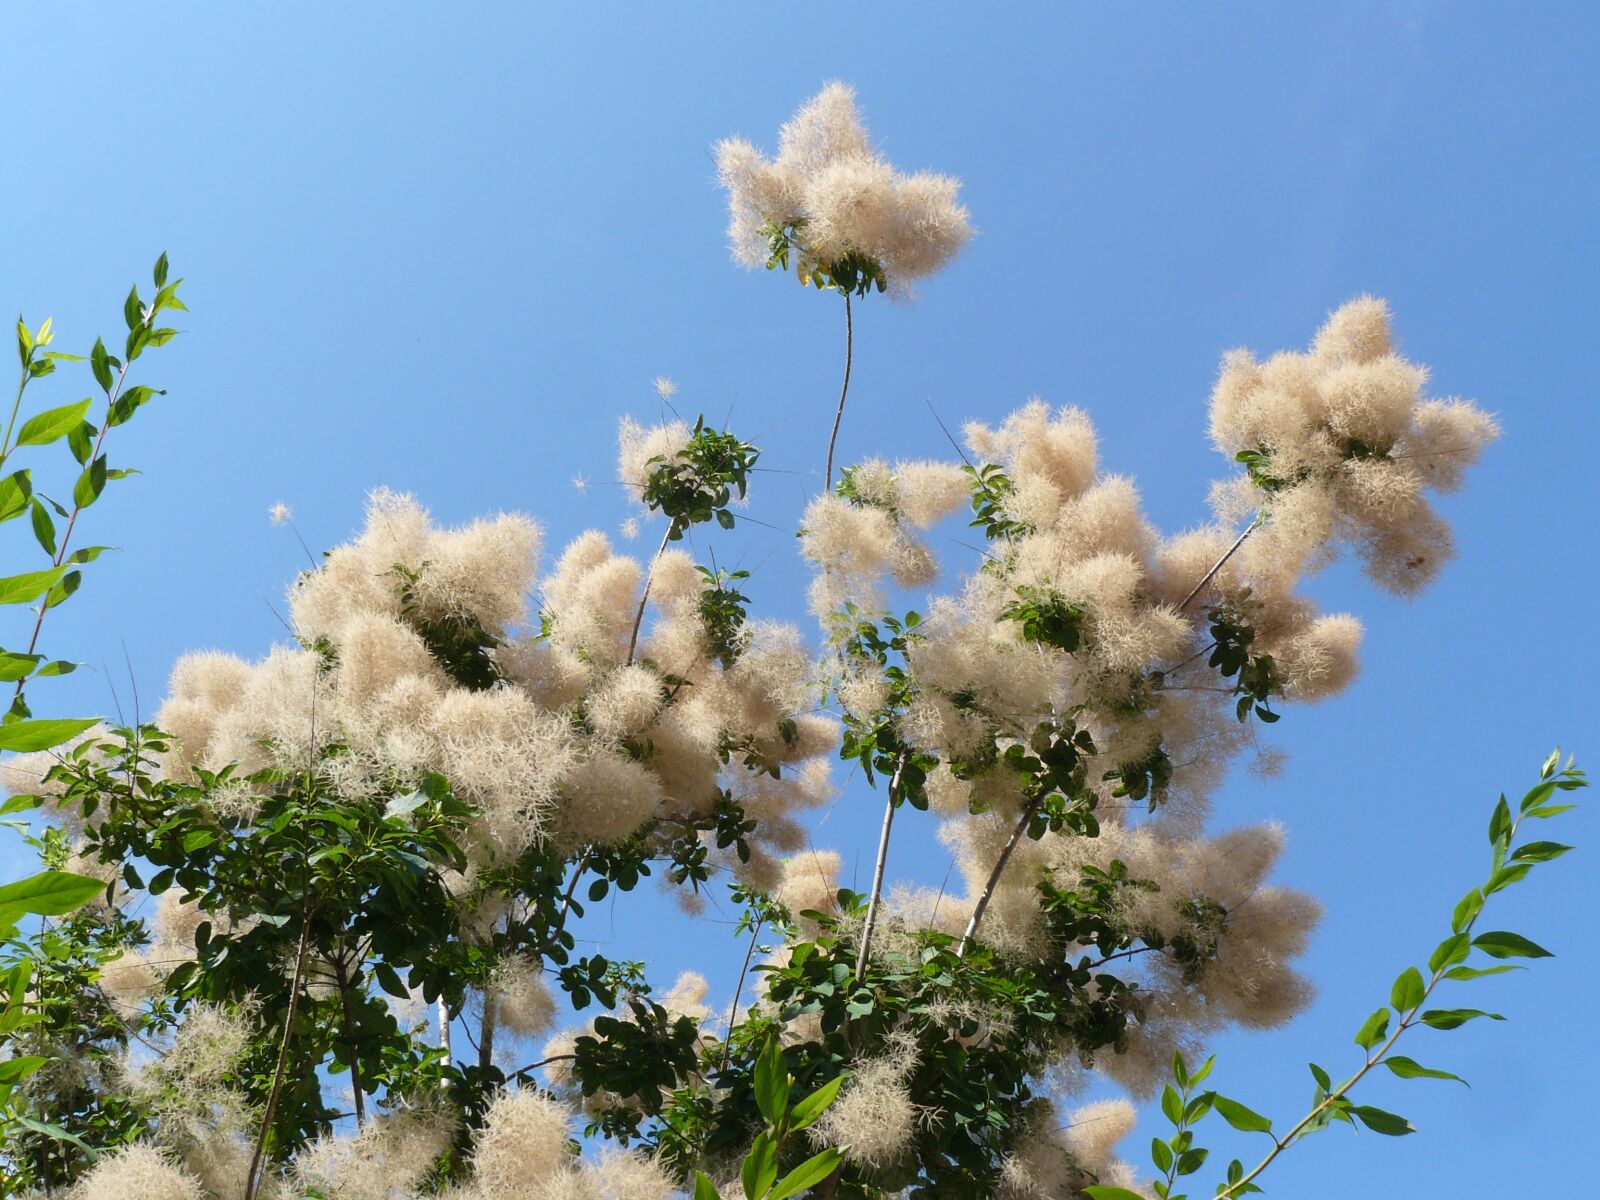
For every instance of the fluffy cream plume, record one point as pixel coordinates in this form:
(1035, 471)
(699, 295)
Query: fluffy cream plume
(841, 199)
(874, 1119)
(138, 1172)
(522, 1148)
(386, 1159)
(1350, 445)
(638, 447)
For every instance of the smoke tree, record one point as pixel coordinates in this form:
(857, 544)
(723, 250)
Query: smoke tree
(335, 952)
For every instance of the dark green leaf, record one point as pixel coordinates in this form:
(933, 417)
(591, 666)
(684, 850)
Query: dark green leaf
(1410, 1068)
(1379, 1121)
(1498, 943)
(1240, 1117)
(1453, 1018)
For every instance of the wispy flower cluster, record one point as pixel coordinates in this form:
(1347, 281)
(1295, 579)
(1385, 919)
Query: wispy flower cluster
(833, 203)
(1139, 658)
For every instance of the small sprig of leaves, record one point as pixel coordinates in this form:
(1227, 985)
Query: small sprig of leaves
(1408, 998)
(855, 272)
(1046, 618)
(696, 484)
(722, 608)
(990, 486)
(1255, 676)
(784, 1116)
(874, 740)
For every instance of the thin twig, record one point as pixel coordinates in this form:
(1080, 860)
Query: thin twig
(342, 978)
(838, 417)
(1218, 565)
(644, 596)
(877, 870)
(253, 1179)
(994, 878)
(733, 1007)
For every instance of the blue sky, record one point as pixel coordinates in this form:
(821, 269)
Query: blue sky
(443, 249)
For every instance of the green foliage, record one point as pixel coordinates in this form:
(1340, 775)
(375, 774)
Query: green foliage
(697, 483)
(990, 486)
(51, 1120)
(853, 273)
(1255, 676)
(1378, 1034)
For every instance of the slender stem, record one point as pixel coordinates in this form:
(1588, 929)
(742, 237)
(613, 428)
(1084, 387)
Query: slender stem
(11, 422)
(849, 354)
(566, 900)
(644, 596)
(733, 1006)
(545, 1062)
(486, 1037)
(1280, 1144)
(877, 871)
(253, 1179)
(342, 978)
(994, 878)
(72, 521)
(1219, 564)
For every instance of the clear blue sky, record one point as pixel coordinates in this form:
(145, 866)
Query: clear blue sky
(443, 248)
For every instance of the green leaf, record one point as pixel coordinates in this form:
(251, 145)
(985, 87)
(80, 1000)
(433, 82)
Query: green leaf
(100, 364)
(772, 1084)
(24, 737)
(44, 529)
(1101, 1191)
(90, 484)
(1480, 972)
(1172, 1104)
(1410, 1068)
(1379, 1121)
(132, 310)
(69, 584)
(814, 1105)
(760, 1168)
(1550, 764)
(1471, 905)
(29, 586)
(1373, 1029)
(1499, 822)
(1454, 1018)
(1453, 949)
(401, 805)
(15, 1070)
(704, 1189)
(24, 341)
(15, 666)
(1240, 1117)
(81, 442)
(808, 1174)
(1506, 876)
(16, 490)
(130, 402)
(160, 272)
(52, 424)
(1539, 852)
(48, 894)
(1545, 811)
(1499, 943)
(1407, 991)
